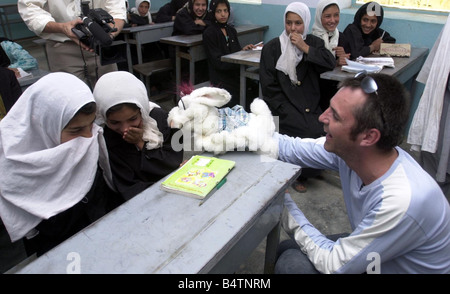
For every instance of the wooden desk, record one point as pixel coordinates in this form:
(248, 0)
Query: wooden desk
(247, 34)
(160, 232)
(405, 67)
(141, 35)
(245, 59)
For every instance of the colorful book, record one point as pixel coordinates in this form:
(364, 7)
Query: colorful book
(199, 177)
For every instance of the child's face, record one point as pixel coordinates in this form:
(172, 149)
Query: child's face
(199, 7)
(222, 13)
(79, 126)
(330, 18)
(121, 120)
(368, 23)
(294, 24)
(143, 8)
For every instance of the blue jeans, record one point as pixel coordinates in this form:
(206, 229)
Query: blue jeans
(291, 260)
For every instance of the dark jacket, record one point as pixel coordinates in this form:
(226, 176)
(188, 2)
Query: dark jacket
(134, 170)
(184, 24)
(222, 74)
(356, 42)
(10, 89)
(297, 106)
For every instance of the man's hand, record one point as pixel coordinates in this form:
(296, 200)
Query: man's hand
(66, 29)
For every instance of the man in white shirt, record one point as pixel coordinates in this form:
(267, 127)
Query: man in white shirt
(53, 20)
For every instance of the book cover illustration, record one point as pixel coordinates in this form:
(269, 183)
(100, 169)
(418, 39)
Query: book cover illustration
(198, 176)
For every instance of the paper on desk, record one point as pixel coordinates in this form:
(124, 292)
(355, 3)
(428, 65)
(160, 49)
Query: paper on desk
(23, 74)
(380, 61)
(354, 67)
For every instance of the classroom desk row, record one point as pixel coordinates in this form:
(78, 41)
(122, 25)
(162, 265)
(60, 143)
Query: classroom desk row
(247, 34)
(405, 68)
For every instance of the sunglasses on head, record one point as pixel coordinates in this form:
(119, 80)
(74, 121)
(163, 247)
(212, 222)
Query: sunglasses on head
(368, 84)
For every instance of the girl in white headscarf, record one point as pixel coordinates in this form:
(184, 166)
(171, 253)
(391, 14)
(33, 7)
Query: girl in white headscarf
(140, 14)
(290, 69)
(138, 137)
(325, 27)
(54, 166)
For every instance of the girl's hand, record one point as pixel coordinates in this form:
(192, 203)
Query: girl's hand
(200, 22)
(297, 40)
(375, 46)
(134, 136)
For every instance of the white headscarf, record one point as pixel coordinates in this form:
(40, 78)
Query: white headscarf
(39, 176)
(331, 39)
(290, 54)
(123, 87)
(136, 11)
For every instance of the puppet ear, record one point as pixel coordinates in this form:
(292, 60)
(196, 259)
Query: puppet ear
(211, 96)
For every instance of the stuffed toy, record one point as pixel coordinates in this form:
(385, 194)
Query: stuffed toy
(219, 130)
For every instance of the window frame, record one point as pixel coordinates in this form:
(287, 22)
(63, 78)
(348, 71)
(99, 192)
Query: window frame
(397, 8)
(253, 2)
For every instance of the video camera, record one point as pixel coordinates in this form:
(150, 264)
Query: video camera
(94, 33)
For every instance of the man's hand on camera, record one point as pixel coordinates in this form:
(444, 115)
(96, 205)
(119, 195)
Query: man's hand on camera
(67, 28)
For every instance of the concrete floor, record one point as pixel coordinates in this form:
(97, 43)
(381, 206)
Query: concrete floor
(322, 204)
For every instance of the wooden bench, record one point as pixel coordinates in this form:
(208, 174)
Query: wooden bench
(147, 69)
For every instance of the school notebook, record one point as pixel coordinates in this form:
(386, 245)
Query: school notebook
(198, 176)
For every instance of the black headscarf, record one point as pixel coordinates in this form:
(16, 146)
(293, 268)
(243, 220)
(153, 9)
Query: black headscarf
(176, 5)
(4, 59)
(212, 12)
(190, 8)
(373, 7)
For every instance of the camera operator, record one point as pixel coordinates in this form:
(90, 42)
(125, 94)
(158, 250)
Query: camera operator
(54, 20)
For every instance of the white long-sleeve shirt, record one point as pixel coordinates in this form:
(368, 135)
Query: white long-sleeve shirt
(37, 13)
(400, 222)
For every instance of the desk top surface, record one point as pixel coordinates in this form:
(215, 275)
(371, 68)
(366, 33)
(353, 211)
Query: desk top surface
(248, 57)
(252, 58)
(193, 40)
(161, 232)
(148, 27)
(401, 64)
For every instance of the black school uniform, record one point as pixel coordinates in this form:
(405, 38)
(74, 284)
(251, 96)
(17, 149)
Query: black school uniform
(329, 87)
(100, 200)
(222, 74)
(297, 106)
(356, 42)
(135, 170)
(10, 89)
(184, 24)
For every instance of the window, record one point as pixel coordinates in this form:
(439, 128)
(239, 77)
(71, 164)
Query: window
(248, 1)
(430, 5)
